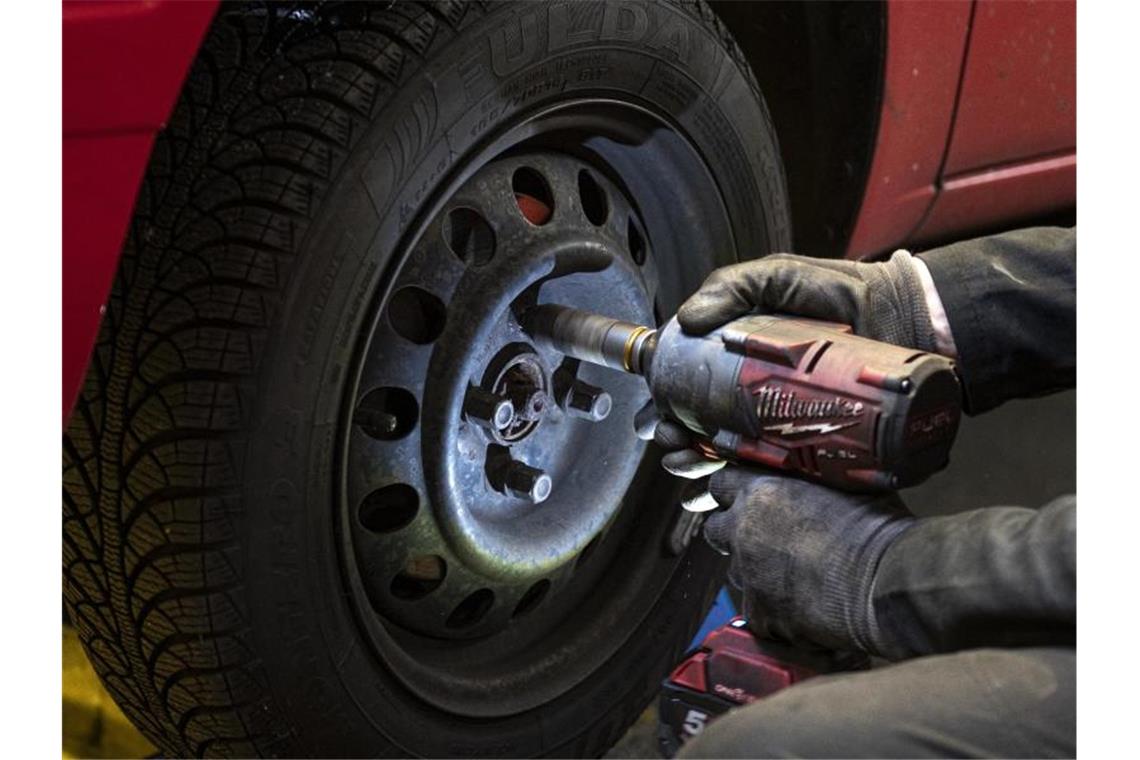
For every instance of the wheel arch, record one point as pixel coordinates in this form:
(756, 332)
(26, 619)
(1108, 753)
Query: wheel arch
(820, 67)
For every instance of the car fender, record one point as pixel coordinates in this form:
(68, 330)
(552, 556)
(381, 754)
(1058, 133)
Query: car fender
(123, 68)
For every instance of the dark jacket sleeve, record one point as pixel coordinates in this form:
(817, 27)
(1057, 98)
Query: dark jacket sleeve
(1011, 301)
(1002, 576)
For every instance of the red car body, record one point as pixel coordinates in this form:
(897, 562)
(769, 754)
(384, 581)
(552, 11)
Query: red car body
(123, 67)
(978, 122)
(977, 126)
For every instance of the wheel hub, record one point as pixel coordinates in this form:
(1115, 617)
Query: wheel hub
(483, 465)
(518, 378)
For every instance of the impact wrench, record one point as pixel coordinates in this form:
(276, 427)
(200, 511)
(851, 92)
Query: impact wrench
(793, 394)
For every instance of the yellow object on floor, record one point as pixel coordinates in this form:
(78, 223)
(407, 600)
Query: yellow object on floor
(93, 725)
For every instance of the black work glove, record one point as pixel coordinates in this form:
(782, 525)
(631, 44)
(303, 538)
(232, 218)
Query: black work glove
(680, 459)
(804, 555)
(882, 301)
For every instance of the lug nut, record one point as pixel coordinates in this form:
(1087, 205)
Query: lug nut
(527, 482)
(487, 409)
(588, 402)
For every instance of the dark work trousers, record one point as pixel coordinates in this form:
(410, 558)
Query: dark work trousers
(974, 703)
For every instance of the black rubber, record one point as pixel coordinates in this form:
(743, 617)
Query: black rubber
(200, 557)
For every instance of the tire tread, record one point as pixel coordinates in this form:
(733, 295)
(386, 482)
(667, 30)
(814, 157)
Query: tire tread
(152, 456)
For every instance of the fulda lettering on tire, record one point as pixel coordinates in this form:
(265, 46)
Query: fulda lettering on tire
(322, 495)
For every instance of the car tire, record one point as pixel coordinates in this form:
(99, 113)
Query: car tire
(207, 566)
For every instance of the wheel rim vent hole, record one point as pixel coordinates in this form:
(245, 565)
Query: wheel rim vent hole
(472, 609)
(469, 236)
(532, 598)
(595, 205)
(533, 196)
(421, 576)
(417, 315)
(387, 413)
(636, 242)
(389, 508)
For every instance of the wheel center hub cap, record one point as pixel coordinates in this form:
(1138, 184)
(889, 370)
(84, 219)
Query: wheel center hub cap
(516, 379)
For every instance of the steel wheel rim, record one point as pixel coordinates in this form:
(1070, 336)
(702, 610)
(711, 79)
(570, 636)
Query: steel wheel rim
(446, 681)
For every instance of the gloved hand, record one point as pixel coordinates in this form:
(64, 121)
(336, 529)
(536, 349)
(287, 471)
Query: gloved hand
(882, 301)
(804, 555)
(681, 458)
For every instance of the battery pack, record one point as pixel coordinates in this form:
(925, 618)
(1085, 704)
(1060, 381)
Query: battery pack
(730, 668)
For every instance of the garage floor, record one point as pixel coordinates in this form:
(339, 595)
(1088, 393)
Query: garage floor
(92, 725)
(1022, 453)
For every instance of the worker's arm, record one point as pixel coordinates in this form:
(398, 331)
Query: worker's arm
(1011, 302)
(859, 572)
(1002, 576)
(1003, 306)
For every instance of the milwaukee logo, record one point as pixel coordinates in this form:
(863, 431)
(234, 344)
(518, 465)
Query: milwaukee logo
(773, 404)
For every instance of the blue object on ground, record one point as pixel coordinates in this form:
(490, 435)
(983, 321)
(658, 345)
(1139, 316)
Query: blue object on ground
(721, 612)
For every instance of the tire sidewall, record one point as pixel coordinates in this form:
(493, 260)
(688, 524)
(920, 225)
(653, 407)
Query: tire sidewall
(321, 671)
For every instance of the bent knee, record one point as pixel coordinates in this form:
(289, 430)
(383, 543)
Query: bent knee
(771, 728)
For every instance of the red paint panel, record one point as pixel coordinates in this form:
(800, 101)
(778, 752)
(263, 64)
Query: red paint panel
(1019, 89)
(100, 178)
(123, 62)
(980, 199)
(926, 43)
(123, 67)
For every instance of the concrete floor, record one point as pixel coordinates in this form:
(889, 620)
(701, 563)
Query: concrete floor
(93, 725)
